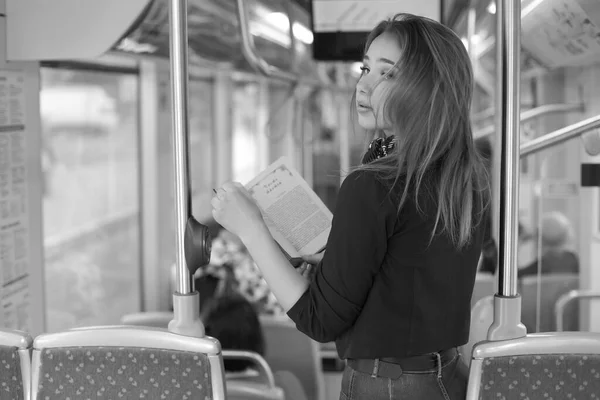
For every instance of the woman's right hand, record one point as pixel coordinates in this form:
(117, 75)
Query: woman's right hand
(306, 270)
(314, 259)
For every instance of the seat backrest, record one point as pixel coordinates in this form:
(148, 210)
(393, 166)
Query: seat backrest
(126, 362)
(156, 319)
(557, 365)
(288, 349)
(484, 286)
(292, 388)
(15, 365)
(552, 287)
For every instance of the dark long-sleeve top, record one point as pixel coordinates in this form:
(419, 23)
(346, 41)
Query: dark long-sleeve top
(384, 288)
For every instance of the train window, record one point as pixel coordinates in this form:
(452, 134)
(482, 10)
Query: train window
(91, 204)
(246, 148)
(201, 145)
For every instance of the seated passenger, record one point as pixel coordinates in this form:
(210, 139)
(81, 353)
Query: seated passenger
(488, 262)
(556, 256)
(233, 321)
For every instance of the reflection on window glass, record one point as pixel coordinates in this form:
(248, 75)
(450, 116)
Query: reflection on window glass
(201, 145)
(91, 206)
(246, 163)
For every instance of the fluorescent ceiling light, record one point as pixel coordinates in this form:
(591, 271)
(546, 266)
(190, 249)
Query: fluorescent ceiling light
(280, 21)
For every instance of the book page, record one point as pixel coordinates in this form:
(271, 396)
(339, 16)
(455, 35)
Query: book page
(297, 218)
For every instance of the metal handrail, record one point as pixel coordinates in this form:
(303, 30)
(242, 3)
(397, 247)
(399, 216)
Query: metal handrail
(506, 201)
(179, 91)
(568, 297)
(532, 114)
(559, 136)
(483, 115)
(249, 50)
(262, 66)
(257, 359)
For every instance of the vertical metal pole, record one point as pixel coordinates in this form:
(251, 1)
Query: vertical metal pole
(471, 21)
(179, 80)
(508, 42)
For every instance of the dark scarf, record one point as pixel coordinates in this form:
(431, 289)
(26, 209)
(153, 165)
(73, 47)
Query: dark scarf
(379, 147)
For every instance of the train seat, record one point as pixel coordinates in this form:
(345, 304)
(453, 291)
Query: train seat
(553, 286)
(156, 319)
(556, 365)
(288, 349)
(292, 388)
(126, 362)
(15, 378)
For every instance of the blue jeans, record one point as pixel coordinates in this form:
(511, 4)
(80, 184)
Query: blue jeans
(446, 382)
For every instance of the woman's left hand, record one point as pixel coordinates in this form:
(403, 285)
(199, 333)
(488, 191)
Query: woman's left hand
(236, 210)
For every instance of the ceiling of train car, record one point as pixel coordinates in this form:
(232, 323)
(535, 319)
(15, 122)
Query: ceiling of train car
(214, 35)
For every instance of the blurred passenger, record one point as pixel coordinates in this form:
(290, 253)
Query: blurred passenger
(394, 286)
(233, 321)
(557, 257)
(489, 255)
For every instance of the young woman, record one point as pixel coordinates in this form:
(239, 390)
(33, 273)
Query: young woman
(393, 288)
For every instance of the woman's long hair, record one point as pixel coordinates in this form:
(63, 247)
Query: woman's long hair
(428, 109)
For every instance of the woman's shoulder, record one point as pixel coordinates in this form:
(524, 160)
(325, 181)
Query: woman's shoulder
(371, 179)
(367, 189)
(363, 183)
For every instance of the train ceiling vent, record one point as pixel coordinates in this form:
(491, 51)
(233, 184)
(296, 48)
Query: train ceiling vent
(84, 29)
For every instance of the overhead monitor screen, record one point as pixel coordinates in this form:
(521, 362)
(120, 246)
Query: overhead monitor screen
(340, 27)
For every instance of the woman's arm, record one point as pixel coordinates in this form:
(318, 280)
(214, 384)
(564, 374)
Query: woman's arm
(328, 305)
(236, 211)
(285, 282)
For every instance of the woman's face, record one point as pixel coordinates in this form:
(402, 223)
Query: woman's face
(376, 82)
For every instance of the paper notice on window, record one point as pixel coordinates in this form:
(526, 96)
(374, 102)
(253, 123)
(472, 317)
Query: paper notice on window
(14, 235)
(562, 32)
(297, 218)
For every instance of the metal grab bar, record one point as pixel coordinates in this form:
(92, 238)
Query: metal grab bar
(559, 136)
(566, 298)
(249, 50)
(179, 83)
(257, 359)
(531, 114)
(508, 95)
(263, 67)
(483, 115)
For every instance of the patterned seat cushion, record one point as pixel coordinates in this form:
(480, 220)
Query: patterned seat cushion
(117, 372)
(11, 378)
(547, 376)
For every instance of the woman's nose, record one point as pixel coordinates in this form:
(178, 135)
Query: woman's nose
(362, 86)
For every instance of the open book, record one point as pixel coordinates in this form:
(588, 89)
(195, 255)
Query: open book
(296, 217)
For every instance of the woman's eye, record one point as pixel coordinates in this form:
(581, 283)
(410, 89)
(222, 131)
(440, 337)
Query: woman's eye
(364, 70)
(387, 74)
